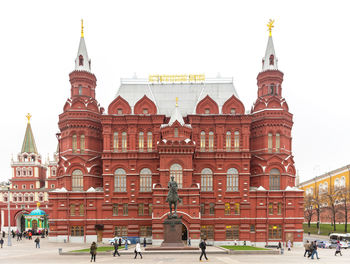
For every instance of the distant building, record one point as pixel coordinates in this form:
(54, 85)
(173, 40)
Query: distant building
(28, 184)
(235, 169)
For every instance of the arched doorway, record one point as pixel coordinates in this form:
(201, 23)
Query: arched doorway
(34, 225)
(184, 233)
(20, 222)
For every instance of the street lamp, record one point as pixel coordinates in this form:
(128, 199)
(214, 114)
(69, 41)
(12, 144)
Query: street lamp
(9, 243)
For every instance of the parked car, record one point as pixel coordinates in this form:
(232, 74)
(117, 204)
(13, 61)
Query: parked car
(343, 244)
(323, 244)
(116, 239)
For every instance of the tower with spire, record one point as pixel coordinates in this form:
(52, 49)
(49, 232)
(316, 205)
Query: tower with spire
(271, 142)
(80, 137)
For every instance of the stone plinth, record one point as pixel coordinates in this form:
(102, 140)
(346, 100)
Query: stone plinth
(172, 232)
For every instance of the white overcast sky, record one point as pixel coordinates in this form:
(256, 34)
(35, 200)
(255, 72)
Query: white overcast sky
(39, 42)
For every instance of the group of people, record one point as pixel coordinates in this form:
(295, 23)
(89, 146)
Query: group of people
(311, 249)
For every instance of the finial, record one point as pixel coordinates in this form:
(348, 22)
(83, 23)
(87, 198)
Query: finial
(37, 205)
(177, 100)
(270, 26)
(82, 28)
(28, 116)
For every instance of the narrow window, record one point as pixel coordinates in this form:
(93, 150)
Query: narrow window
(150, 209)
(227, 209)
(211, 141)
(115, 142)
(202, 141)
(211, 208)
(206, 180)
(228, 141)
(80, 91)
(82, 144)
(81, 209)
(72, 209)
(77, 180)
(202, 208)
(141, 141)
(124, 142)
(141, 209)
(115, 209)
(149, 142)
(270, 208)
(236, 143)
(278, 142)
(125, 209)
(237, 209)
(269, 142)
(271, 60)
(74, 143)
(232, 180)
(275, 179)
(176, 171)
(145, 180)
(176, 132)
(279, 208)
(81, 60)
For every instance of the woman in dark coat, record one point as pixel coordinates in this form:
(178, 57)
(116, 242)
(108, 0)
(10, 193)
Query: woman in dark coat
(93, 250)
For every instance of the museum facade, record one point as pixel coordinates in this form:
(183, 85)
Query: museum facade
(234, 168)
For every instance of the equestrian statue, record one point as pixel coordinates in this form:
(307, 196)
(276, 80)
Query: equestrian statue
(172, 198)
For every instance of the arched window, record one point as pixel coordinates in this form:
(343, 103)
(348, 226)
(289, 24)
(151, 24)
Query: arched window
(176, 132)
(120, 180)
(24, 172)
(18, 170)
(141, 141)
(81, 60)
(31, 197)
(72, 209)
(115, 142)
(211, 141)
(53, 171)
(124, 141)
(81, 209)
(342, 182)
(149, 141)
(272, 60)
(278, 142)
(228, 141)
(227, 209)
(236, 143)
(26, 197)
(41, 197)
(30, 172)
(275, 179)
(82, 144)
(77, 180)
(202, 141)
(272, 89)
(176, 171)
(269, 142)
(325, 186)
(232, 180)
(145, 180)
(74, 143)
(206, 180)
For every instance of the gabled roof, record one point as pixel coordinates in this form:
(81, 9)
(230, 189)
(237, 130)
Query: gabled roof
(28, 145)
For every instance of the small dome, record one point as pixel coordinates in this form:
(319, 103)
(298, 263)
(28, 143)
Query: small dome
(37, 212)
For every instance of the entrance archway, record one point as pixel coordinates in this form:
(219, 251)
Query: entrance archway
(20, 222)
(184, 233)
(34, 225)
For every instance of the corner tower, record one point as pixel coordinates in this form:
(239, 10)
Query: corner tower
(272, 164)
(80, 137)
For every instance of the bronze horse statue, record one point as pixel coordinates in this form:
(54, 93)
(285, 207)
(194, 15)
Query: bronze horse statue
(173, 198)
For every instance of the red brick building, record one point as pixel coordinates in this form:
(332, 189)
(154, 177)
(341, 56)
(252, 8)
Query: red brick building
(235, 168)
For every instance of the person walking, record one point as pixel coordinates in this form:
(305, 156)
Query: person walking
(203, 247)
(138, 249)
(115, 244)
(337, 249)
(30, 235)
(144, 242)
(120, 242)
(1, 242)
(93, 249)
(37, 242)
(289, 245)
(3, 234)
(307, 248)
(314, 250)
(279, 245)
(189, 241)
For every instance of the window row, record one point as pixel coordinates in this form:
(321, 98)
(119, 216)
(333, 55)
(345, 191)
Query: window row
(76, 210)
(75, 143)
(231, 144)
(120, 141)
(229, 209)
(122, 209)
(231, 180)
(279, 208)
(24, 186)
(23, 172)
(270, 142)
(122, 231)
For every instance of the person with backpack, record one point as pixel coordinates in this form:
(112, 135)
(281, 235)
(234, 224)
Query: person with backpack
(313, 249)
(93, 249)
(37, 242)
(116, 244)
(203, 247)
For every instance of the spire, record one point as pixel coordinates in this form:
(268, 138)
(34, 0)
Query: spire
(82, 62)
(176, 115)
(28, 145)
(270, 59)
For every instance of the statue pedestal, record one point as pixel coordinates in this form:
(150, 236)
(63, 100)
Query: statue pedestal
(172, 232)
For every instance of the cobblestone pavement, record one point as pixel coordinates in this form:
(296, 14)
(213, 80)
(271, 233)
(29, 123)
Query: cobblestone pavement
(25, 252)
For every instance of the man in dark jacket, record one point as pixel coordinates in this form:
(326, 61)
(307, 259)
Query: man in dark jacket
(1, 242)
(115, 244)
(203, 247)
(37, 242)
(120, 242)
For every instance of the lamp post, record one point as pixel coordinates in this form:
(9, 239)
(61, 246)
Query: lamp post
(9, 243)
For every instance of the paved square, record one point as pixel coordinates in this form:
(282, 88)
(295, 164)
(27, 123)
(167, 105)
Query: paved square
(25, 252)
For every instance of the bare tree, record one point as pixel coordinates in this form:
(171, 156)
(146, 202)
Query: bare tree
(308, 209)
(331, 199)
(344, 198)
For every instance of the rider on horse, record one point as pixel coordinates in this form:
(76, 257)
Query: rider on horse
(173, 197)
